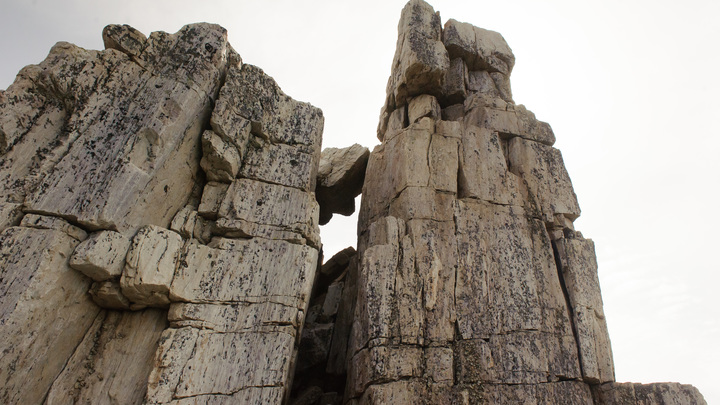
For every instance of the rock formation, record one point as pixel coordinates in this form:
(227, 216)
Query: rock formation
(159, 238)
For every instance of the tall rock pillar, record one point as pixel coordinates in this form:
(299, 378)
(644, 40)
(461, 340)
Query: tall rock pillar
(473, 286)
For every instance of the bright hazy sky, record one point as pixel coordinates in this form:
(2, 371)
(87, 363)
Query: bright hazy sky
(630, 88)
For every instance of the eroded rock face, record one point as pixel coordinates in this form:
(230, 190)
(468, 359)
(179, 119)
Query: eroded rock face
(161, 172)
(159, 235)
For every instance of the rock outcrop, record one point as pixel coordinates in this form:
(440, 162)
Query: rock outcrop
(160, 242)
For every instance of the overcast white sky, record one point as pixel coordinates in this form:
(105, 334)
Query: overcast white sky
(630, 88)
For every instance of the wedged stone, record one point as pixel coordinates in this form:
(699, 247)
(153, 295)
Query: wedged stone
(546, 180)
(252, 270)
(272, 114)
(613, 393)
(113, 361)
(422, 106)
(193, 362)
(125, 39)
(334, 266)
(212, 197)
(481, 49)
(59, 224)
(455, 112)
(484, 172)
(456, 82)
(45, 311)
(221, 160)
(496, 115)
(314, 345)
(150, 266)
(287, 165)
(576, 258)
(502, 83)
(184, 222)
(332, 299)
(339, 180)
(140, 174)
(107, 294)
(254, 208)
(235, 317)
(101, 256)
(420, 58)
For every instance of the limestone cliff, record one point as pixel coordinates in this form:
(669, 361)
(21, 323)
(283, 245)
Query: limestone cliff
(159, 235)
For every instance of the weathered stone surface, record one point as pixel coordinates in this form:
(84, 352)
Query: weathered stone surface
(547, 183)
(637, 394)
(422, 106)
(212, 197)
(221, 160)
(59, 224)
(484, 172)
(112, 363)
(184, 222)
(101, 256)
(236, 317)
(125, 39)
(150, 266)
(203, 362)
(44, 311)
(420, 58)
(576, 257)
(143, 172)
(287, 165)
(339, 180)
(509, 120)
(314, 345)
(481, 49)
(254, 208)
(108, 294)
(252, 270)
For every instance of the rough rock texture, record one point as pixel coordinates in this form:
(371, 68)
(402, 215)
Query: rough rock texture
(159, 235)
(173, 176)
(472, 285)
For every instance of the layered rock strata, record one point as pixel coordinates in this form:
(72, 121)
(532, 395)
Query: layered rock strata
(159, 235)
(159, 226)
(473, 286)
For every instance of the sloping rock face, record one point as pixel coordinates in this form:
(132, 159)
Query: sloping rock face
(473, 287)
(159, 231)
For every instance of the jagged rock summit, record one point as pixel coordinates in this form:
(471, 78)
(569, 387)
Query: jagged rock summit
(160, 244)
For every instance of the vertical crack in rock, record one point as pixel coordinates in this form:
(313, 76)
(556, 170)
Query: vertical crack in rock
(159, 235)
(568, 303)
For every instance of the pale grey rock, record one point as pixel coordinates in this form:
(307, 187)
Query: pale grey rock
(484, 172)
(45, 311)
(212, 197)
(332, 299)
(422, 106)
(493, 113)
(184, 221)
(107, 294)
(420, 58)
(272, 114)
(547, 183)
(339, 180)
(112, 363)
(456, 82)
(139, 174)
(267, 316)
(101, 256)
(647, 394)
(250, 270)
(150, 266)
(221, 160)
(287, 165)
(254, 208)
(59, 224)
(382, 364)
(576, 258)
(481, 49)
(125, 39)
